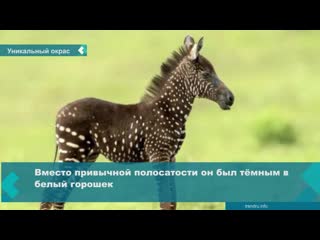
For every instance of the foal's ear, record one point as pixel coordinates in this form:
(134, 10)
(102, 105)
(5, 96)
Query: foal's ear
(200, 44)
(194, 52)
(188, 42)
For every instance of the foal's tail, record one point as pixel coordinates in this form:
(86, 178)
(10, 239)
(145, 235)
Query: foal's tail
(55, 155)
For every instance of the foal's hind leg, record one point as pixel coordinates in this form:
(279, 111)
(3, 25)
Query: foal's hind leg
(89, 159)
(83, 153)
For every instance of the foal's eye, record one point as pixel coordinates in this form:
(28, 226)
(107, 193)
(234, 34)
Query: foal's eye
(206, 75)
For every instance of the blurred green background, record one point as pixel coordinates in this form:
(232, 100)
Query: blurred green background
(273, 74)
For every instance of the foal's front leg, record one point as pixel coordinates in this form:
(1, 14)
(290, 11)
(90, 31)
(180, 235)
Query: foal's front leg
(172, 186)
(166, 186)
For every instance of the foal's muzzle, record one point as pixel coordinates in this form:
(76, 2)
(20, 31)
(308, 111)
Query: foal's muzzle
(226, 100)
(230, 99)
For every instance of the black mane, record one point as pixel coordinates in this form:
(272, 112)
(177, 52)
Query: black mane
(167, 67)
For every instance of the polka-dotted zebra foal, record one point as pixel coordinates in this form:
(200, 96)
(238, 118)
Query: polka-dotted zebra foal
(152, 130)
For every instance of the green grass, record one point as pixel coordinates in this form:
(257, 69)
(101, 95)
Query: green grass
(266, 70)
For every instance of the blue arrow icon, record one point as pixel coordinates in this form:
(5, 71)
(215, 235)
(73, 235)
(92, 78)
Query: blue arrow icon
(8, 185)
(83, 50)
(80, 50)
(312, 177)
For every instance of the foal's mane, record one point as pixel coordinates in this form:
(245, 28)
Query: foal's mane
(157, 82)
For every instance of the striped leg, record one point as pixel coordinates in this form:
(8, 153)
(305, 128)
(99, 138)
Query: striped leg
(45, 206)
(61, 193)
(172, 187)
(70, 157)
(166, 187)
(65, 193)
(90, 159)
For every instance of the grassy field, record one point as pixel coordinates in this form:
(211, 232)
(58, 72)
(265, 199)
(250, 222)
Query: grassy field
(273, 72)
